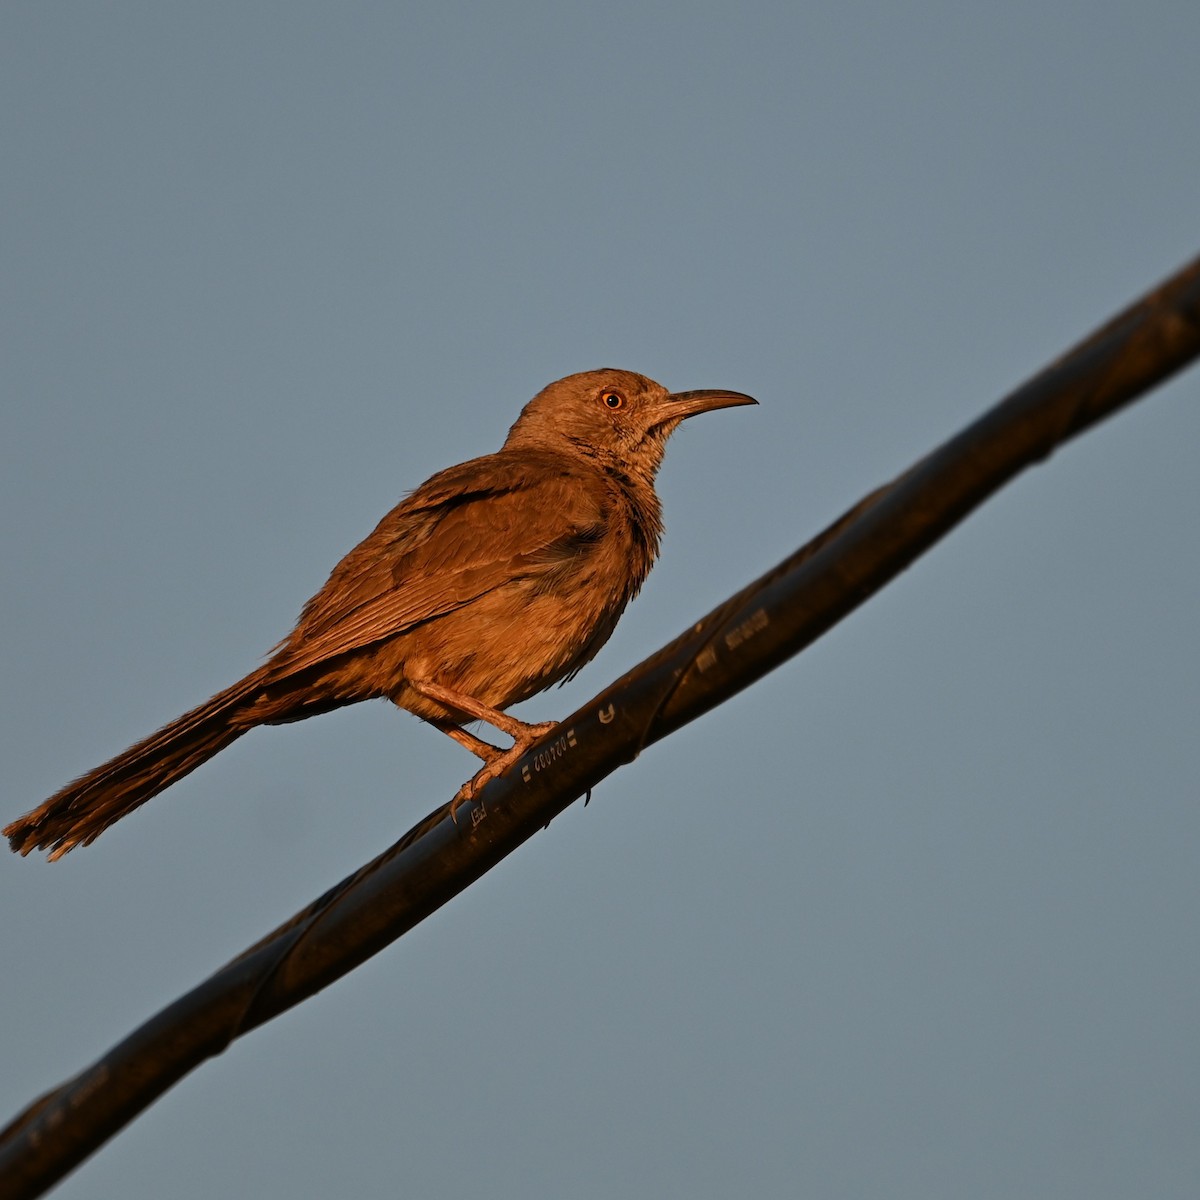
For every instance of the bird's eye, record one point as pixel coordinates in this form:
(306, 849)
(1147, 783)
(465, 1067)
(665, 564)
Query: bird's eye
(613, 400)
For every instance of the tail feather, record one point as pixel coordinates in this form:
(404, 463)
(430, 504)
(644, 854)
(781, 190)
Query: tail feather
(84, 809)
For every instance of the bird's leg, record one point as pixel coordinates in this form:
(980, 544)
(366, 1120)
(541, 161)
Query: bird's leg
(520, 731)
(468, 741)
(496, 761)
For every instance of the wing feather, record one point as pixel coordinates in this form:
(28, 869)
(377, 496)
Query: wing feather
(465, 532)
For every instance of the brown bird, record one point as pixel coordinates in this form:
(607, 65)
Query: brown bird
(490, 582)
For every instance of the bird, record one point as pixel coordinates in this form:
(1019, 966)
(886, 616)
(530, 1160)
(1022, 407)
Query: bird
(490, 582)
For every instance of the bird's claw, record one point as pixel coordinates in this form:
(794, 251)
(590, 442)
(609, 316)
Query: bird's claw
(498, 765)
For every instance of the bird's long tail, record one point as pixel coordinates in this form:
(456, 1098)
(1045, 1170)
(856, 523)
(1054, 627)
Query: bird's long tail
(83, 810)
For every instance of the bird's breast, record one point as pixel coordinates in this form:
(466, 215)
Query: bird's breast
(533, 631)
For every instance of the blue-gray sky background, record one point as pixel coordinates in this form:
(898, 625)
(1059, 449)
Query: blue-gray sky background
(913, 917)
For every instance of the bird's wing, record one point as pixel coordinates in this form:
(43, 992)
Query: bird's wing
(468, 530)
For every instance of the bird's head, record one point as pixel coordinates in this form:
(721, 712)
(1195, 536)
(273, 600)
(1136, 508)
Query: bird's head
(617, 418)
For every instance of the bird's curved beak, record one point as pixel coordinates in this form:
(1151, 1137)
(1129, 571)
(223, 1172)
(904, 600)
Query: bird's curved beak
(679, 405)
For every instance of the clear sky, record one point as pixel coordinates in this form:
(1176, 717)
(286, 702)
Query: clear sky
(913, 917)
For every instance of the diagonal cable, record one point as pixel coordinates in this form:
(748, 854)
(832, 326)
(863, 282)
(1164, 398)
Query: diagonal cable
(761, 626)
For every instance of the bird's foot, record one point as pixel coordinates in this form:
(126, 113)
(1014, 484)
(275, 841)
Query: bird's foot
(498, 763)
